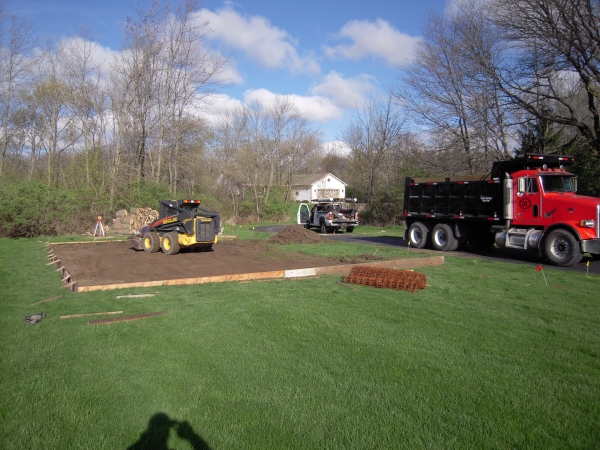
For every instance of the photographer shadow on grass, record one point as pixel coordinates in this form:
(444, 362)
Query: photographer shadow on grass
(156, 435)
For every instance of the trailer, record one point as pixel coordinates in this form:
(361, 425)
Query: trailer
(524, 203)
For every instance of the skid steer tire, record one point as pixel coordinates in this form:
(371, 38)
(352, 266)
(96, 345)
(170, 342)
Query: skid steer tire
(170, 243)
(151, 242)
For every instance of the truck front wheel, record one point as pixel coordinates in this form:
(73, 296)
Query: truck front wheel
(418, 235)
(443, 239)
(562, 249)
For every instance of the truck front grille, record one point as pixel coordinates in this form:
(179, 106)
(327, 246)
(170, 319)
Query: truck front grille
(205, 231)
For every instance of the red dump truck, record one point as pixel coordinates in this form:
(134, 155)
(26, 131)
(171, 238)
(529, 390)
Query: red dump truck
(524, 203)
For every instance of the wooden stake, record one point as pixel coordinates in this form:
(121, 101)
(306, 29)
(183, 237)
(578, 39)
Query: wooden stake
(73, 316)
(53, 262)
(345, 285)
(47, 300)
(135, 296)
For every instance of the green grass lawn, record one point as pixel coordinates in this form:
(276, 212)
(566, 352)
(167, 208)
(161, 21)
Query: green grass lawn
(487, 356)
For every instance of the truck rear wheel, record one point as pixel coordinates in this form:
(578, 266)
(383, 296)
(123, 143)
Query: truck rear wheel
(418, 235)
(323, 228)
(151, 242)
(170, 243)
(349, 229)
(443, 239)
(562, 249)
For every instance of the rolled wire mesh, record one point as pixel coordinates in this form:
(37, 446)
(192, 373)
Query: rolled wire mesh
(402, 280)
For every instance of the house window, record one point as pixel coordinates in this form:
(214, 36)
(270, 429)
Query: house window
(297, 193)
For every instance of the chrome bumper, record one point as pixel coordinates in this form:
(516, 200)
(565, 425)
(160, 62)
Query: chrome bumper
(591, 246)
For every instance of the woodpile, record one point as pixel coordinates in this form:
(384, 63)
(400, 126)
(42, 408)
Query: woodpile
(133, 221)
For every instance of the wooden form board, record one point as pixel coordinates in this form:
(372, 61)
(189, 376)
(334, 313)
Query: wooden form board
(403, 264)
(126, 318)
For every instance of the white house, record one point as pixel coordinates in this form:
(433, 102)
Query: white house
(321, 185)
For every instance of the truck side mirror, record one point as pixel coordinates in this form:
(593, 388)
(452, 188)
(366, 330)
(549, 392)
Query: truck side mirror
(522, 184)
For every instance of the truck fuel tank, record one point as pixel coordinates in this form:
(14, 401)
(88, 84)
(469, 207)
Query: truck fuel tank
(521, 238)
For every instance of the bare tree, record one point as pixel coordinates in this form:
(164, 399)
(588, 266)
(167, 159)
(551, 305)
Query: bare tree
(82, 75)
(552, 68)
(16, 62)
(450, 89)
(192, 73)
(372, 137)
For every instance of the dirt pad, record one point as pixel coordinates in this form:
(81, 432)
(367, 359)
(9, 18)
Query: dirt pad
(295, 234)
(116, 262)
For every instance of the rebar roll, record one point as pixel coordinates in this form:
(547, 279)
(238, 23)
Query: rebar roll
(402, 280)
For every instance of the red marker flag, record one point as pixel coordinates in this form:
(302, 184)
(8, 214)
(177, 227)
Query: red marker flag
(539, 269)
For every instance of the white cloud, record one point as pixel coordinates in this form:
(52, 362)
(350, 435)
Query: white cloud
(345, 92)
(260, 41)
(314, 108)
(230, 74)
(216, 105)
(377, 39)
(338, 148)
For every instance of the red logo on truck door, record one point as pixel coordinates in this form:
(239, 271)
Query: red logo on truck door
(525, 203)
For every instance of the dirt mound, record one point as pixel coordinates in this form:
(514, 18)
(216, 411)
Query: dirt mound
(295, 234)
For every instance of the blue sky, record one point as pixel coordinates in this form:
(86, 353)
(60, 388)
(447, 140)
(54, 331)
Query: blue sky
(329, 55)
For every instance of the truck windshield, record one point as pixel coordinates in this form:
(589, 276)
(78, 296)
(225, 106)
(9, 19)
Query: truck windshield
(554, 183)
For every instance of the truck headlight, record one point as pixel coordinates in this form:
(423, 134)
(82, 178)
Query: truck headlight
(588, 223)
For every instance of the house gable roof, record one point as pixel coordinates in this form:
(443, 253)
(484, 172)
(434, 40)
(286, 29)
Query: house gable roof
(310, 179)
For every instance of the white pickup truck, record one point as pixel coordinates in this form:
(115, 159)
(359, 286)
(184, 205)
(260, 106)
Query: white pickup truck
(329, 215)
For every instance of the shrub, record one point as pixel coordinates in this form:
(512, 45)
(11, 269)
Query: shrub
(31, 208)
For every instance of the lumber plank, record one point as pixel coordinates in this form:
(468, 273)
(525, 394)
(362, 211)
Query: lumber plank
(74, 316)
(47, 300)
(126, 318)
(88, 242)
(135, 296)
